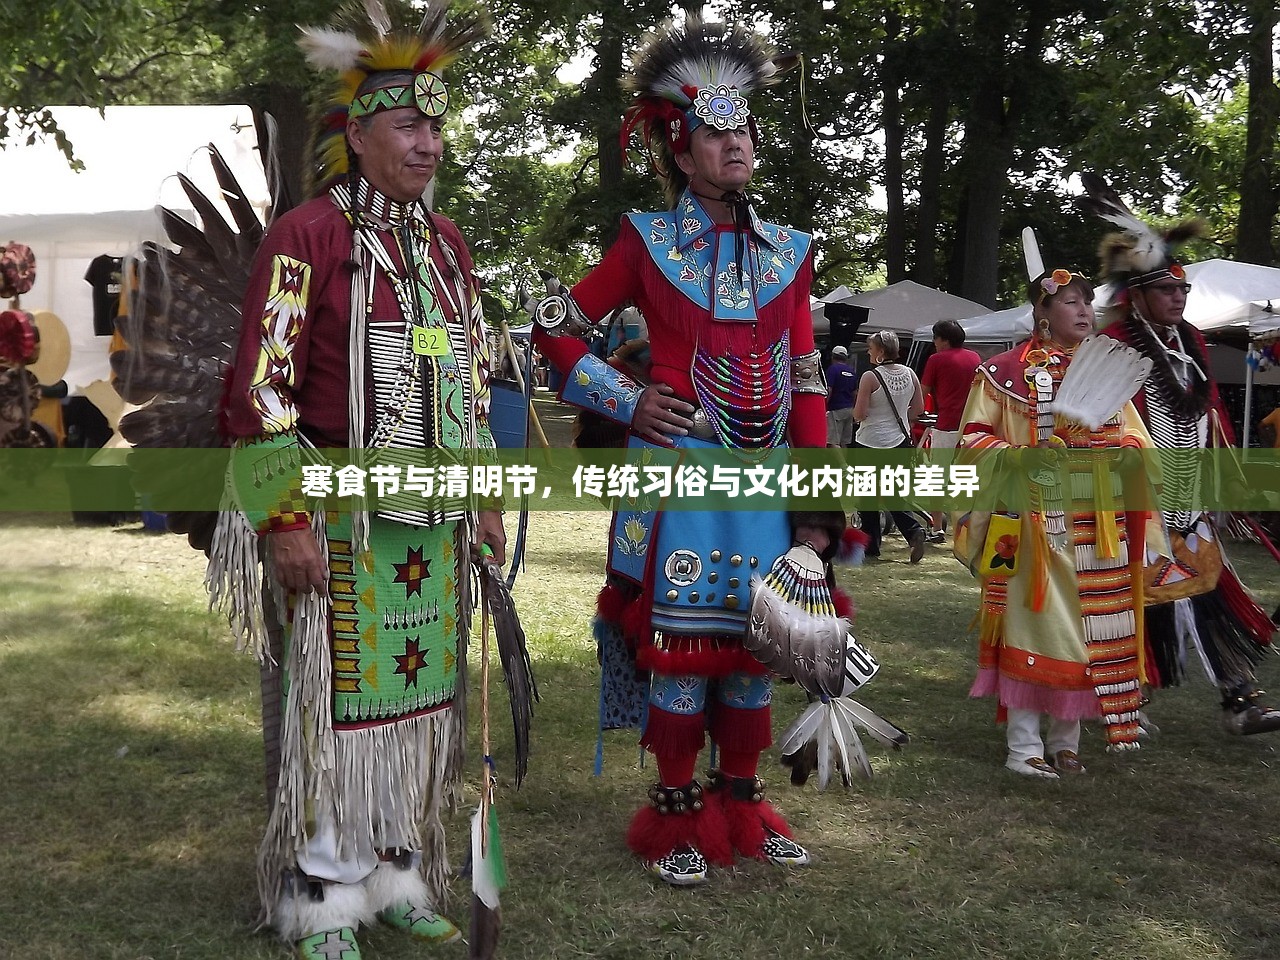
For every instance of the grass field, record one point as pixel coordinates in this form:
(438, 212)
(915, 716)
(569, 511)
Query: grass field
(131, 790)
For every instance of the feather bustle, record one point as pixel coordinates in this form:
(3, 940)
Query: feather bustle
(1103, 376)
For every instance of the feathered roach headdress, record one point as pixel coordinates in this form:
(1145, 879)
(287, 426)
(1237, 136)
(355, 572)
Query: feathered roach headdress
(1140, 254)
(690, 73)
(375, 37)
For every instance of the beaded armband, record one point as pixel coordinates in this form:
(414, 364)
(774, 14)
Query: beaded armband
(807, 375)
(594, 385)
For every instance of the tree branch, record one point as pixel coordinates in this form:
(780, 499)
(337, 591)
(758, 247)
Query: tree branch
(137, 67)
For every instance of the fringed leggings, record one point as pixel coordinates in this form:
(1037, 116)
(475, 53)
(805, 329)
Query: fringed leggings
(738, 716)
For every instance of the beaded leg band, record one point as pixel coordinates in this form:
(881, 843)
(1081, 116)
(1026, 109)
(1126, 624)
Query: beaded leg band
(747, 789)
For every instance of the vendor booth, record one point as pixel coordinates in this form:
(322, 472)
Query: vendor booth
(80, 224)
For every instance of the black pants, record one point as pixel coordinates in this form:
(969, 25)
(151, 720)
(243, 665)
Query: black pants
(906, 521)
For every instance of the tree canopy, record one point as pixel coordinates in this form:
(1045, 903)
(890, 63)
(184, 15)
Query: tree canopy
(916, 140)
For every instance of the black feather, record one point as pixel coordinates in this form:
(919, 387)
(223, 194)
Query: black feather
(513, 652)
(181, 330)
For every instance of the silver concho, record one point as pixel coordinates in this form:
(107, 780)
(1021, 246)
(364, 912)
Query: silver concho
(683, 567)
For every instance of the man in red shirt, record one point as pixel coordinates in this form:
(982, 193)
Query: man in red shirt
(948, 374)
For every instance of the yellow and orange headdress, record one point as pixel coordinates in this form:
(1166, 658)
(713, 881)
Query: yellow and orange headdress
(380, 37)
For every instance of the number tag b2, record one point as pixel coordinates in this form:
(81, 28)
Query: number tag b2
(430, 342)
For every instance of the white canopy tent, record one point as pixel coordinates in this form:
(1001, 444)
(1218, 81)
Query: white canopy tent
(130, 157)
(988, 333)
(903, 306)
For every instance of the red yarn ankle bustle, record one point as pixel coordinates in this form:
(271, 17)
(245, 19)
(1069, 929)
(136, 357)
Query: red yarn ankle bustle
(653, 835)
(673, 734)
(749, 822)
(741, 731)
(844, 604)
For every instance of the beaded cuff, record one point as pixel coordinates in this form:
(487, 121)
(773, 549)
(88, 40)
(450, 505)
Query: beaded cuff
(594, 385)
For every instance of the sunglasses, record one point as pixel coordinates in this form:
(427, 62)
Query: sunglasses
(1169, 288)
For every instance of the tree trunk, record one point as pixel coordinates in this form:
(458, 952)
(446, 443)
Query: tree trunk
(1258, 180)
(606, 79)
(986, 168)
(895, 234)
(293, 133)
(992, 131)
(933, 156)
(933, 164)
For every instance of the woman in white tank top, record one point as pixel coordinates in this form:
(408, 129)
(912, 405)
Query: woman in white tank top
(889, 402)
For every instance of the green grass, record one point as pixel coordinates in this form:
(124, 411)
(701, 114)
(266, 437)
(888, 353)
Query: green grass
(131, 790)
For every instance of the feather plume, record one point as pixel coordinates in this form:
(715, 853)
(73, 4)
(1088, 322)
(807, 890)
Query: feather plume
(1031, 255)
(825, 738)
(488, 878)
(376, 10)
(1141, 248)
(696, 53)
(327, 48)
(1147, 249)
(1103, 376)
(180, 331)
(513, 652)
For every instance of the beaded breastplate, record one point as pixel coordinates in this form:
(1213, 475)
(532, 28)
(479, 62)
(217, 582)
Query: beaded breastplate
(701, 261)
(746, 398)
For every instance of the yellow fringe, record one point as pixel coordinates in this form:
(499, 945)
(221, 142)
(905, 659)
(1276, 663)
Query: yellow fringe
(1108, 534)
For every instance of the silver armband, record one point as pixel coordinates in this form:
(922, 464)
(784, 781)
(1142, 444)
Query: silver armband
(807, 375)
(557, 313)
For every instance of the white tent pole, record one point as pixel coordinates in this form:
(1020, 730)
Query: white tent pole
(1248, 402)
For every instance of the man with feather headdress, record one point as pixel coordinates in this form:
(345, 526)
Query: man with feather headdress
(732, 365)
(362, 330)
(1194, 598)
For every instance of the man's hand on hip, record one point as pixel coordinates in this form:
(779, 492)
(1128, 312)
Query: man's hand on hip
(296, 560)
(661, 416)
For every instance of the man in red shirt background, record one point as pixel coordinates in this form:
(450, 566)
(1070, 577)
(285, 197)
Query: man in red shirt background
(948, 374)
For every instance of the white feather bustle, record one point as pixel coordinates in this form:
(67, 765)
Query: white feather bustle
(344, 905)
(794, 643)
(391, 885)
(329, 49)
(1103, 376)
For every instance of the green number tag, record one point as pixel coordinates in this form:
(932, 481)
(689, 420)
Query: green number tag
(430, 342)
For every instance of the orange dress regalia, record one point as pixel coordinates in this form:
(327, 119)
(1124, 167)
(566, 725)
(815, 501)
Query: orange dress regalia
(1058, 620)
